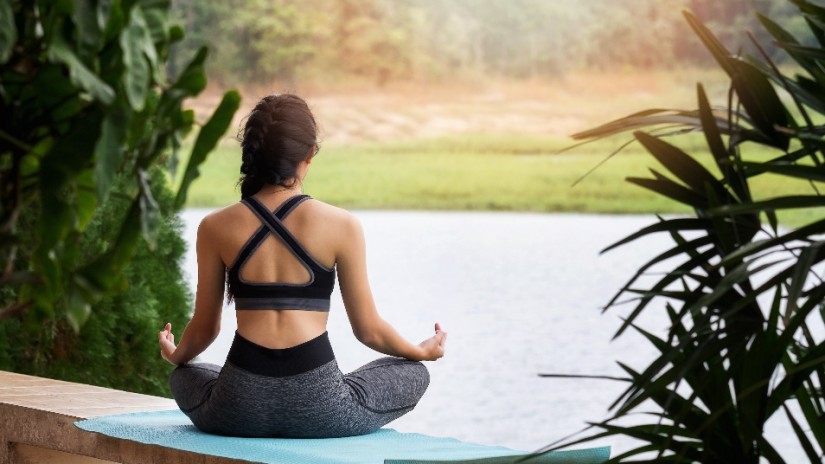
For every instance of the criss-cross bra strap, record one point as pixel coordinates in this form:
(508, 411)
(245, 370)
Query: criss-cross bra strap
(286, 207)
(273, 225)
(263, 231)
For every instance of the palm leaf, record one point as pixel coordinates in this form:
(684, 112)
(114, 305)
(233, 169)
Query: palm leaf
(681, 224)
(754, 90)
(787, 41)
(676, 251)
(687, 169)
(807, 446)
(668, 188)
(662, 284)
(798, 171)
(781, 241)
(785, 202)
(813, 416)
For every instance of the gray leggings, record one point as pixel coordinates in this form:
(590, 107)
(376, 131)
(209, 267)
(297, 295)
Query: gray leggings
(295, 392)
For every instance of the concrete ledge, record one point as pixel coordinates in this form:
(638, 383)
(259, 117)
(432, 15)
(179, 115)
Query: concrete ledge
(38, 418)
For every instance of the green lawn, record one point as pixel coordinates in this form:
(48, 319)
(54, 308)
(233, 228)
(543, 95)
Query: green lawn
(477, 172)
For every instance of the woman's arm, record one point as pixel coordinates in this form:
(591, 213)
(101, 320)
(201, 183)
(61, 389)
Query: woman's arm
(367, 325)
(206, 321)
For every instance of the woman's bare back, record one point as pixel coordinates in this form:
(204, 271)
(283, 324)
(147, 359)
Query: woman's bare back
(312, 223)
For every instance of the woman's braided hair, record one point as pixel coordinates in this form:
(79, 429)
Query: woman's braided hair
(279, 133)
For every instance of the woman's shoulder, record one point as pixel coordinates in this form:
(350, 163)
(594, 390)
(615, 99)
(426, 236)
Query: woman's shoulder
(330, 214)
(223, 214)
(337, 223)
(216, 220)
(335, 227)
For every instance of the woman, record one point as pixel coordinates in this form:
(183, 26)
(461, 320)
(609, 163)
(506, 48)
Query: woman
(278, 252)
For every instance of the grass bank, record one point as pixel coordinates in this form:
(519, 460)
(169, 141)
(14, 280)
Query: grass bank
(513, 172)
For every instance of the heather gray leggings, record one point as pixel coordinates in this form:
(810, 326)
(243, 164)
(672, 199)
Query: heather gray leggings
(296, 392)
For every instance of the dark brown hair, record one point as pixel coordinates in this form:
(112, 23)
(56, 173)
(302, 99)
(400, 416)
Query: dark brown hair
(279, 133)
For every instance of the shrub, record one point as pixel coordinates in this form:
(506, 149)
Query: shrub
(117, 347)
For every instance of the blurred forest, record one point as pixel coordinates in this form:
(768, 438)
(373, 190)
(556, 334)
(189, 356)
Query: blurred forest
(378, 41)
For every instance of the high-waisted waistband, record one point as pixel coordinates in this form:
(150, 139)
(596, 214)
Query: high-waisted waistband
(273, 362)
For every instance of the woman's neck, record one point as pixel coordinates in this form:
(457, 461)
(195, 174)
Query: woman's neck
(270, 190)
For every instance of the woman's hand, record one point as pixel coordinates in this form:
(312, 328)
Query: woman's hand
(167, 343)
(433, 347)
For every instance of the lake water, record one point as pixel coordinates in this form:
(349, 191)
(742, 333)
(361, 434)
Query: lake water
(519, 294)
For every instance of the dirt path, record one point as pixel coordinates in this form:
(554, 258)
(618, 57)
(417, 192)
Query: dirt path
(552, 107)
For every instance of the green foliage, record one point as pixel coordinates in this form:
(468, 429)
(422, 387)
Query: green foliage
(84, 100)
(117, 347)
(206, 141)
(253, 40)
(260, 41)
(88, 116)
(745, 298)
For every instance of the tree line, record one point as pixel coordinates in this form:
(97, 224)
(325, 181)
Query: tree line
(258, 41)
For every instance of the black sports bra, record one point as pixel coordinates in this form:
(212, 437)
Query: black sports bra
(311, 296)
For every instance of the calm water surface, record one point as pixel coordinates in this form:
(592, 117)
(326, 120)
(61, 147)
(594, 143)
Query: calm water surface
(519, 293)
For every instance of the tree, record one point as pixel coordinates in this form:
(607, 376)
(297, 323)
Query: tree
(255, 41)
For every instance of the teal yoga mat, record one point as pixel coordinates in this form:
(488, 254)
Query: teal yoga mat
(174, 430)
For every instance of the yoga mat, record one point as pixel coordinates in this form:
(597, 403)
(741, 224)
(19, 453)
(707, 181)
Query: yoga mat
(174, 430)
